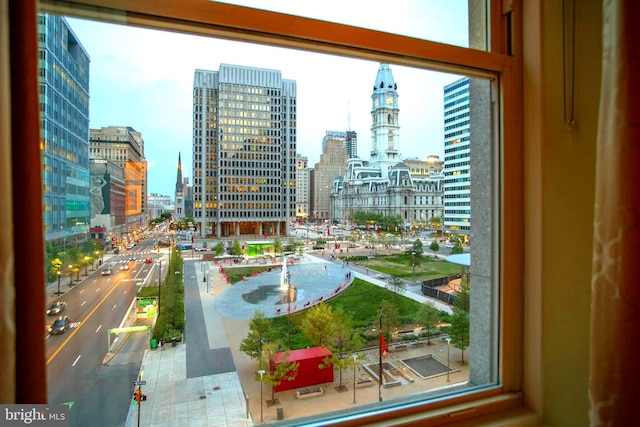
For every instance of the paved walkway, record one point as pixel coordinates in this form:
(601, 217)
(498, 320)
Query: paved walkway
(207, 381)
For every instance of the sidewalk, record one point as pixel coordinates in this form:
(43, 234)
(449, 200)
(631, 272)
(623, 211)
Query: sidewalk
(233, 398)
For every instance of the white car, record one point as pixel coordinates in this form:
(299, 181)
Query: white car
(200, 249)
(449, 245)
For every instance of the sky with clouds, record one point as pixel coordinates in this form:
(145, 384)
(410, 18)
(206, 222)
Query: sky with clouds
(144, 79)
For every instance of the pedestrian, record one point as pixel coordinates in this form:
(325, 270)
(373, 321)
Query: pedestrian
(161, 344)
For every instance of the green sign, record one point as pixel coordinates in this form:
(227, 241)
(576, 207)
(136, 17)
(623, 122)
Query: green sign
(128, 329)
(145, 302)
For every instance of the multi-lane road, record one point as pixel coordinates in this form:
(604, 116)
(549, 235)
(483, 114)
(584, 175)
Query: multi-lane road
(99, 395)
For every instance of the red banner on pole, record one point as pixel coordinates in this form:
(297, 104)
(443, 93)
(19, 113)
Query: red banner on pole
(383, 346)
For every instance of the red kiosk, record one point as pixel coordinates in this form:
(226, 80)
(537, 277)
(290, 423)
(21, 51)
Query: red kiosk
(309, 371)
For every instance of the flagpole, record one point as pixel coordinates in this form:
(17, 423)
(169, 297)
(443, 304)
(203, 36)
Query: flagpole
(380, 360)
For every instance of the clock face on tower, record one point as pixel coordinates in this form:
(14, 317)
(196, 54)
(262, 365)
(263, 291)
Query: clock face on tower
(375, 102)
(389, 100)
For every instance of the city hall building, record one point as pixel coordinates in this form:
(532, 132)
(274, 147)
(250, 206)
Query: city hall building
(385, 183)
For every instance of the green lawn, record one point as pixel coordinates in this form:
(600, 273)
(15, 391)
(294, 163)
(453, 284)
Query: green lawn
(362, 299)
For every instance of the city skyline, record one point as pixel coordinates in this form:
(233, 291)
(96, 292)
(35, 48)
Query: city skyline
(148, 86)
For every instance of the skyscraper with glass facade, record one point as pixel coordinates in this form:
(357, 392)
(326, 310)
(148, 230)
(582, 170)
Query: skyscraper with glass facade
(457, 158)
(244, 151)
(63, 83)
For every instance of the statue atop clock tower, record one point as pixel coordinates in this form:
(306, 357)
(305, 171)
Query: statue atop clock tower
(385, 129)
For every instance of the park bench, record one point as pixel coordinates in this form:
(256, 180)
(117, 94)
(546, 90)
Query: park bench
(309, 392)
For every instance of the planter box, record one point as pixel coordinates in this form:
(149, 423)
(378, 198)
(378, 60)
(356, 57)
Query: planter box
(309, 392)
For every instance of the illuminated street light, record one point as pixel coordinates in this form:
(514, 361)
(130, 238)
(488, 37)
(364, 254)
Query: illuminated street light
(289, 308)
(70, 275)
(86, 265)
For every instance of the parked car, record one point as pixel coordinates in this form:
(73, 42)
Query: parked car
(106, 271)
(60, 325)
(200, 249)
(56, 308)
(318, 247)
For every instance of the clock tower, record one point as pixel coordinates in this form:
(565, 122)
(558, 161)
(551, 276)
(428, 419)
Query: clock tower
(385, 129)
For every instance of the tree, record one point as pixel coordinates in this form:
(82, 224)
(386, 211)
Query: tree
(459, 329)
(278, 368)
(390, 318)
(236, 249)
(89, 247)
(396, 285)
(417, 247)
(435, 247)
(218, 249)
(428, 317)
(317, 323)
(277, 246)
(261, 332)
(457, 248)
(341, 341)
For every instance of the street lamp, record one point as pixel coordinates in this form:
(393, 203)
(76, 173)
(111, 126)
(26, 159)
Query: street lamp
(59, 275)
(261, 373)
(289, 309)
(448, 346)
(70, 275)
(159, 282)
(354, 378)
(413, 264)
(96, 253)
(86, 265)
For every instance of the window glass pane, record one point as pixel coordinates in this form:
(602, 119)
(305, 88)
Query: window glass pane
(382, 178)
(435, 20)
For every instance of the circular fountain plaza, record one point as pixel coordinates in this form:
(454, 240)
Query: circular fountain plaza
(311, 280)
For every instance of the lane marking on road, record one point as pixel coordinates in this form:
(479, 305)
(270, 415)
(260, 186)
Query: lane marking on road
(81, 291)
(114, 307)
(76, 361)
(98, 290)
(74, 331)
(99, 327)
(83, 303)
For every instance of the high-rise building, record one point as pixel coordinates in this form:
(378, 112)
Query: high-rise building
(63, 82)
(244, 151)
(349, 139)
(457, 158)
(124, 146)
(332, 165)
(302, 188)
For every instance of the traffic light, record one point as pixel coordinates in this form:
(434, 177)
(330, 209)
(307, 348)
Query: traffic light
(137, 395)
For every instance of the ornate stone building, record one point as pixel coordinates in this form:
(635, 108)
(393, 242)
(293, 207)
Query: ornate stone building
(385, 184)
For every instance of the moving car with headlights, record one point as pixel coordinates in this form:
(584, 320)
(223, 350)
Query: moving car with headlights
(124, 267)
(59, 326)
(106, 271)
(56, 308)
